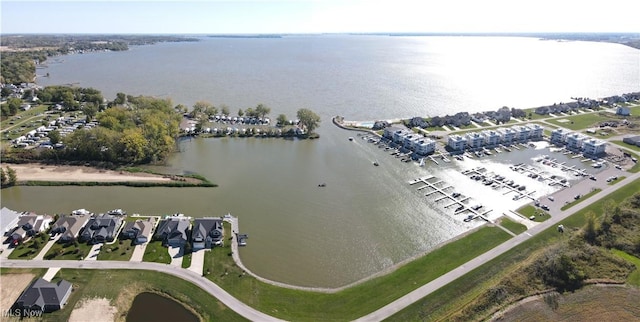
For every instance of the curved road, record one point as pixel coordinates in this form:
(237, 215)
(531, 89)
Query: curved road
(185, 274)
(378, 315)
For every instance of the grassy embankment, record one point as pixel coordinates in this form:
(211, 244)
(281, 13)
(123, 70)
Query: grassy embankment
(581, 199)
(352, 302)
(512, 226)
(121, 286)
(451, 299)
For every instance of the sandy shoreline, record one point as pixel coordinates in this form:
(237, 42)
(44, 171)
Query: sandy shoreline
(40, 172)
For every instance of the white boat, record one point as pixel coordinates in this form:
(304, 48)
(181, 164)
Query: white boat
(422, 162)
(376, 163)
(351, 138)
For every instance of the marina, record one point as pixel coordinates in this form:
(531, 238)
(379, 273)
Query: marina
(456, 198)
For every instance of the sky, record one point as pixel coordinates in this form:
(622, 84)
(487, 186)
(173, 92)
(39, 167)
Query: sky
(318, 16)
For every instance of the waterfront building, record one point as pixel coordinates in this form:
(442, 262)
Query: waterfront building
(424, 146)
(29, 224)
(475, 140)
(389, 132)
(172, 231)
(139, 231)
(559, 136)
(207, 232)
(69, 226)
(407, 141)
(457, 142)
(537, 132)
(594, 147)
(574, 141)
(101, 228)
(522, 132)
(507, 135)
(491, 137)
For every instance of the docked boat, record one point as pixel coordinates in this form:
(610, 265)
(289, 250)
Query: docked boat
(422, 162)
(375, 163)
(351, 138)
(455, 195)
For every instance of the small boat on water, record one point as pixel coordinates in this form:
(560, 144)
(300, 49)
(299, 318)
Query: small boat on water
(469, 218)
(351, 138)
(375, 163)
(322, 185)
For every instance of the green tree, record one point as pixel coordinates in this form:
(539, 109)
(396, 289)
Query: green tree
(133, 143)
(590, 232)
(120, 99)
(90, 110)
(262, 110)
(309, 120)
(240, 112)
(281, 120)
(14, 105)
(224, 109)
(182, 109)
(3, 178)
(54, 137)
(12, 178)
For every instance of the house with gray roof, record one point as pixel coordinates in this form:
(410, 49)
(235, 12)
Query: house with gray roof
(69, 227)
(101, 228)
(44, 296)
(206, 232)
(139, 231)
(29, 224)
(173, 231)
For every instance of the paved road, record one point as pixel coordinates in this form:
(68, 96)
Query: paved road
(211, 288)
(447, 278)
(377, 315)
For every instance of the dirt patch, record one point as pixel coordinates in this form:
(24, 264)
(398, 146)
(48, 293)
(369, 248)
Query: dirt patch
(591, 303)
(95, 310)
(12, 287)
(38, 172)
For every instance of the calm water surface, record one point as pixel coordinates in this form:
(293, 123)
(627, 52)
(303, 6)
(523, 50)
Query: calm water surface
(367, 218)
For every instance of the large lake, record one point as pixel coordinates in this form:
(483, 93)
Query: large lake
(367, 218)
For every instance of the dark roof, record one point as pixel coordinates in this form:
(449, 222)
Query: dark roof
(206, 227)
(42, 294)
(173, 228)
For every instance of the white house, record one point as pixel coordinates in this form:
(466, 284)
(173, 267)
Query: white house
(575, 141)
(475, 140)
(507, 135)
(559, 136)
(594, 147)
(536, 132)
(456, 142)
(424, 146)
(491, 137)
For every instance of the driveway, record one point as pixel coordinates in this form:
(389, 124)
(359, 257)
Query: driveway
(93, 252)
(138, 253)
(176, 256)
(197, 261)
(6, 250)
(46, 248)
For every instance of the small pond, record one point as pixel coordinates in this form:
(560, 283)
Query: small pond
(153, 307)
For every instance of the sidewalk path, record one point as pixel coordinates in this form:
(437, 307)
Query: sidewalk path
(51, 272)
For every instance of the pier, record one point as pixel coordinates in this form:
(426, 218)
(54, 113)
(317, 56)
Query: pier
(456, 198)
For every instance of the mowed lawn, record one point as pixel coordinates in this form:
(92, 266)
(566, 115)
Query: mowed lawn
(583, 121)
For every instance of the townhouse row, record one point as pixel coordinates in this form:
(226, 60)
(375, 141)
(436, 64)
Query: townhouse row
(578, 142)
(492, 138)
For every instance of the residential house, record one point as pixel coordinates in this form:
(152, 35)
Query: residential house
(623, 110)
(8, 220)
(475, 140)
(29, 224)
(69, 226)
(424, 146)
(101, 228)
(575, 141)
(537, 132)
(139, 231)
(508, 135)
(491, 137)
(522, 132)
(173, 231)
(207, 232)
(456, 142)
(593, 147)
(559, 136)
(44, 296)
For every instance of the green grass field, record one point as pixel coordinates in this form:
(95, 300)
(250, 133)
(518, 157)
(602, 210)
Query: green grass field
(634, 277)
(583, 121)
(448, 300)
(514, 227)
(529, 210)
(155, 252)
(351, 303)
(69, 251)
(121, 250)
